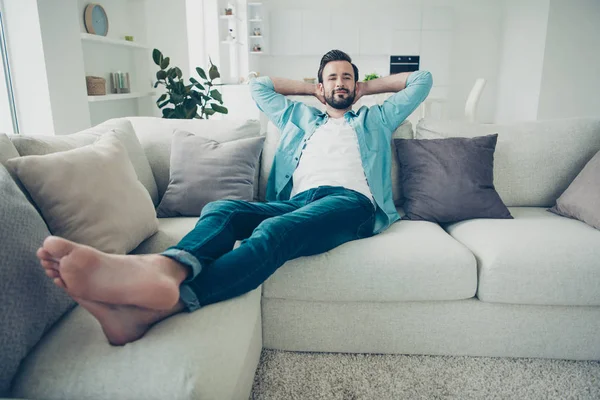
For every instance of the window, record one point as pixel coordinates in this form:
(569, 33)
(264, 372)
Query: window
(8, 115)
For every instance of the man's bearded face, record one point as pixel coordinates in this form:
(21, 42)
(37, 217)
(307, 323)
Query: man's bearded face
(339, 85)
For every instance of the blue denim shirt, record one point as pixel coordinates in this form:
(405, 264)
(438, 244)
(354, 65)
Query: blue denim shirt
(373, 125)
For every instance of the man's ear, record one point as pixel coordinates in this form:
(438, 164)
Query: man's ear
(321, 88)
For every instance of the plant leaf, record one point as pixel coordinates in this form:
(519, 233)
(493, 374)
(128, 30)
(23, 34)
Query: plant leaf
(161, 98)
(176, 98)
(161, 75)
(179, 112)
(157, 56)
(215, 94)
(209, 111)
(164, 63)
(196, 83)
(219, 109)
(156, 84)
(178, 72)
(190, 112)
(201, 72)
(163, 104)
(166, 112)
(196, 97)
(213, 72)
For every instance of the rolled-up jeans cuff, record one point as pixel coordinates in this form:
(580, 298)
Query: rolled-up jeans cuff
(186, 294)
(188, 297)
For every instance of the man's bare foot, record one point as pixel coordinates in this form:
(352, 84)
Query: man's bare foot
(147, 281)
(125, 324)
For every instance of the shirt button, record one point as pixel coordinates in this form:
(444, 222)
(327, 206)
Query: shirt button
(296, 158)
(287, 176)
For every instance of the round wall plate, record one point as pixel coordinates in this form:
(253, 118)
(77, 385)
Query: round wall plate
(96, 20)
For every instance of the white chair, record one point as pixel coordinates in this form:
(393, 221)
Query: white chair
(473, 99)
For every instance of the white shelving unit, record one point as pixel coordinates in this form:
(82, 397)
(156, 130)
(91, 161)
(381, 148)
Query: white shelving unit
(255, 19)
(105, 55)
(119, 96)
(114, 42)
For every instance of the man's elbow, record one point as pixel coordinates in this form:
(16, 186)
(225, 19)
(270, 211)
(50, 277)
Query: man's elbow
(425, 78)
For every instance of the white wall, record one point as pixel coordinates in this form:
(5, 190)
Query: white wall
(26, 53)
(166, 23)
(64, 65)
(520, 76)
(195, 33)
(458, 41)
(570, 83)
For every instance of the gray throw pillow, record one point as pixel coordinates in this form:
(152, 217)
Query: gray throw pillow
(449, 180)
(31, 303)
(203, 170)
(581, 200)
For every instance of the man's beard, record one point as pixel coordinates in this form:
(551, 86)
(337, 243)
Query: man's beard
(340, 103)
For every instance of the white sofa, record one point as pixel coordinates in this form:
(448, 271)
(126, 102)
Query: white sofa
(528, 287)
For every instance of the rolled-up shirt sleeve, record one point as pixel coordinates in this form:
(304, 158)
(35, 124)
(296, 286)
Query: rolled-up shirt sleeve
(400, 105)
(275, 106)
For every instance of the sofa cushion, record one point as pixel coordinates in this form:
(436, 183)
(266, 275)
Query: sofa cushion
(170, 232)
(155, 135)
(204, 170)
(31, 303)
(536, 258)
(410, 261)
(28, 145)
(449, 180)
(272, 137)
(7, 149)
(522, 174)
(90, 195)
(208, 354)
(581, 200)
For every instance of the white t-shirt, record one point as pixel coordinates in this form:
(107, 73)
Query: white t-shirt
(331, 157)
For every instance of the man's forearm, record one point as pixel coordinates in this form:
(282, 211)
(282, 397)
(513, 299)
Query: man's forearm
(291, 87)
(392, 83)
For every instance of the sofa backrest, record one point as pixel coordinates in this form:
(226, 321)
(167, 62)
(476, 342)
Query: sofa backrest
(273, 136)
(155, 135)
(534, 161)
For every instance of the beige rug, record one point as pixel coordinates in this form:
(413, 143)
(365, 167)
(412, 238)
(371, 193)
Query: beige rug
(291, 375)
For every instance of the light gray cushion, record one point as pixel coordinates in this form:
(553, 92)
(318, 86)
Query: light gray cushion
(170, 232)
(449, 180)
(272, 137)
(156, 135)
(90, 195)
(204, 170)
(535, 161)
(581, 200)
(7, 149)
(209, 354)
(45, 144)
(410, 261)
(31, 303)
(536, 258)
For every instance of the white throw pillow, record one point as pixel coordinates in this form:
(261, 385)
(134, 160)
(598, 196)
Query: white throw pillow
(90, 195)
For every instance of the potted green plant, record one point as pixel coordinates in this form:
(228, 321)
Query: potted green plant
(183, 101)
(370, 77)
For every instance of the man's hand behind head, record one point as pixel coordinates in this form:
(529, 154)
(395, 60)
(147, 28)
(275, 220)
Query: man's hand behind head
(360, 91)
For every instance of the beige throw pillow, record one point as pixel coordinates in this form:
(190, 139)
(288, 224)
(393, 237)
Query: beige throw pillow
(29, 145)
(90, 195)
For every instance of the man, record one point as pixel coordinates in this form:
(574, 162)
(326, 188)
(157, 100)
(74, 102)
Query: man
(330, 183)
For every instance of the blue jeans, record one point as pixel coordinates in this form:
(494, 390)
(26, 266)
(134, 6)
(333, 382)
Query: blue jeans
(271, 233)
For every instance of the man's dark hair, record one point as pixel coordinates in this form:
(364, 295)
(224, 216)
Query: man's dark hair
(336, 55)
